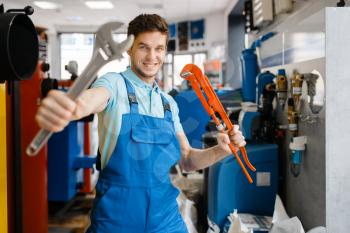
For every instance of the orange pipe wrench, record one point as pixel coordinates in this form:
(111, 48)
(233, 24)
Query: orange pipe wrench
(212, 105)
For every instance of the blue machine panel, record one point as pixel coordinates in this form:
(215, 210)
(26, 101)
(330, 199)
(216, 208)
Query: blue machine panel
(172, 31)
(228, 188)
(63, 149)
(193, 117)
(197, 29)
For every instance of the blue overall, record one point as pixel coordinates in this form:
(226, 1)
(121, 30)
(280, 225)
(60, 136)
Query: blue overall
(134, 193)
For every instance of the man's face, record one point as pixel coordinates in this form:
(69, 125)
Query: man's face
(147, 54)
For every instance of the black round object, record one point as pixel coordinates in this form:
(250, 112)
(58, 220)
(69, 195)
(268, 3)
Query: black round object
(29, 10)
(45, 67)
(18, 47)
(47, 85)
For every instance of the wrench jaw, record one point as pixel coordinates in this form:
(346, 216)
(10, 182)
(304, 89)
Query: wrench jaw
(124, 46)
(185, 75)
(104, 33)
(104, 41)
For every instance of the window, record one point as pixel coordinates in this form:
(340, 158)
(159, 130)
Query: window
(167, 73)
(177, 62)
(79, 47)
(75, 47)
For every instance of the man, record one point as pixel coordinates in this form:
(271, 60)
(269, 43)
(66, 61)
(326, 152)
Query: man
(140, 138)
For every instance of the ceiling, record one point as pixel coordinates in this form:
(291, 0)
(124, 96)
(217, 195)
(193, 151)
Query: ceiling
(75, 14)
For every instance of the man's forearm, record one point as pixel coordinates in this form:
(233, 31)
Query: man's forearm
(202, 158)
(91, 101)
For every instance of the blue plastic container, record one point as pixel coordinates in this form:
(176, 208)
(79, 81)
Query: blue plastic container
(249, 72)
(63, 149)
(229, 189)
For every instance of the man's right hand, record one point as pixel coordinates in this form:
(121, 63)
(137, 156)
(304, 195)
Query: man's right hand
(56, 111)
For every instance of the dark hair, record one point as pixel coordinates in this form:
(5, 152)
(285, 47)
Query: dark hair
(148, 23)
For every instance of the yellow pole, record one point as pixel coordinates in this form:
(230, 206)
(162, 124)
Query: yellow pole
(3, 161)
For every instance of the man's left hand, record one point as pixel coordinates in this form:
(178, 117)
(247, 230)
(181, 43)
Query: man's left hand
(235, 137)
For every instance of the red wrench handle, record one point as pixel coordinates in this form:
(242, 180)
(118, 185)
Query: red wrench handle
(212, 105)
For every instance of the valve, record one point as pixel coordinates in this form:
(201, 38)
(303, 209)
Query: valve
(72, 68)
(311, 80)
(281, 87)
(292, 118)
(297, 83)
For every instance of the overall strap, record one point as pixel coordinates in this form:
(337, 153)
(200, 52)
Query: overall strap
(167, 109)
(131, 95)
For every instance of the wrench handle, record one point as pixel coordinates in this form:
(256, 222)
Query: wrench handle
(82, 83)
(88, 76)
(38, 142)
(235, 153)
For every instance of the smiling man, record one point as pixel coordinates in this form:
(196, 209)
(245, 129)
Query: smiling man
(140, 138)
(147, 55)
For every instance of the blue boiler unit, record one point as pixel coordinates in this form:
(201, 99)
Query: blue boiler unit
(228, 188)
(65, 162)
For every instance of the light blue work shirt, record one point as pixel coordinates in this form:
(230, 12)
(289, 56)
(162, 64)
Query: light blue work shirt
(110, 119)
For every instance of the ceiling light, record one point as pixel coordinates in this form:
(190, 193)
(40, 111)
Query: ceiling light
(150, 5)
(46, 5)
(99, 4)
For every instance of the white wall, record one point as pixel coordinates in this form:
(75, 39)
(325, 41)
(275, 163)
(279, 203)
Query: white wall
(337, 120)
(216, 26)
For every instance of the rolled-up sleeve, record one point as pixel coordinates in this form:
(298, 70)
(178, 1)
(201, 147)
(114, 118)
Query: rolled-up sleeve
(108, 81)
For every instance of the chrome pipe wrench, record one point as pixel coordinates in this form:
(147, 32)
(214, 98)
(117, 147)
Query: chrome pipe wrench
(105, 50)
